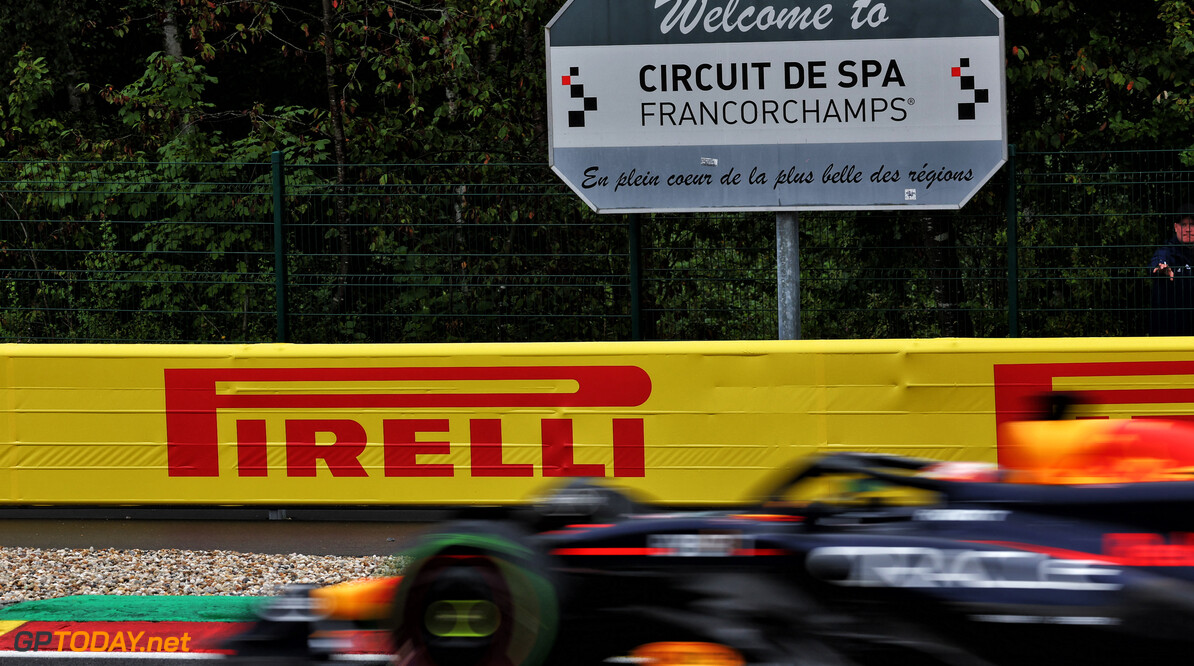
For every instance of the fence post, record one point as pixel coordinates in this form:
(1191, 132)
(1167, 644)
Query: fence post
(280, 280)
(636, 279)
(1013, 259)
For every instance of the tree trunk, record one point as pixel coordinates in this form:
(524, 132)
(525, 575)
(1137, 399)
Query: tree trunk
(170, 41)
(340, 150)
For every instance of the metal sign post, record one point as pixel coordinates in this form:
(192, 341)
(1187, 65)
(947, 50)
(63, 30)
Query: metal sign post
(787, 273)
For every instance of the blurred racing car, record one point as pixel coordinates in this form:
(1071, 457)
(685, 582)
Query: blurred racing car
(1077, 547)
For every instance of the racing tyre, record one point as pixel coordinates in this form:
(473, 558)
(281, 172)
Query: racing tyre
(476, 594)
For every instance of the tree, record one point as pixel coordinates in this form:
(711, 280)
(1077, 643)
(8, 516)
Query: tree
(137, 94)
(1099, 74)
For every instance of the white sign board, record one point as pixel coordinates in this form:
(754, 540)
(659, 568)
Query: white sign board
(693, 105)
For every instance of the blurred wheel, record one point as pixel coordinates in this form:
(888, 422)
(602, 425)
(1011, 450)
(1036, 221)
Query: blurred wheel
(477, 594)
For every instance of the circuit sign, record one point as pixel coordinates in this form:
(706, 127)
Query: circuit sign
(689, 105)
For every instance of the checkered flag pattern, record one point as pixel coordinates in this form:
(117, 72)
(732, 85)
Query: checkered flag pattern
(576, 90)
(966, 110)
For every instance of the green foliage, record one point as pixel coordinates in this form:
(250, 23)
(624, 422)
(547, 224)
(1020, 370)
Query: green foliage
(1099, 73)
(20, 123)
(166, 102)
(701, 283)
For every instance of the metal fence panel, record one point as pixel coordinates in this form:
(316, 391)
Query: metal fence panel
(162, 252)
(1088, 224)
(159, 252)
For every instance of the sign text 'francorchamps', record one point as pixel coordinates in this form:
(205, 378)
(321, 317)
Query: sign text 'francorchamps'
(690, 105)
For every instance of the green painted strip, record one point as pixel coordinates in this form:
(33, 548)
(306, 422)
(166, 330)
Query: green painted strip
(117, 608)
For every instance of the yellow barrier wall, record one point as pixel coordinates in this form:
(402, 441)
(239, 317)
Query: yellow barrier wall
(479, 423)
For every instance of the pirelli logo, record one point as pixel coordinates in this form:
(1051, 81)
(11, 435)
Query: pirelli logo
(420, 398)
(1126, 389)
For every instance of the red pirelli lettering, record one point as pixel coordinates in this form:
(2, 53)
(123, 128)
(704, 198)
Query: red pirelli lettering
(192, 404)
(487, 451)
(1019, 387)
(251, 444)
(402, 448)
(557, 452)
(340, 456)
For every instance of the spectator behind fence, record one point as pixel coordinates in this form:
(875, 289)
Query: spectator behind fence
(1173, 283)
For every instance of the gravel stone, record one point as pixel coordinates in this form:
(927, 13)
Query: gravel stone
(33, 574)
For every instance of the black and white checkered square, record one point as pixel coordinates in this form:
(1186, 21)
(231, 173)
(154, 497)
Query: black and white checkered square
(967, 110)
(576, 90)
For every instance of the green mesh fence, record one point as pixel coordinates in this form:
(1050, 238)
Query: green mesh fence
(94, 252)
(451, 253)
(157, 252)
(1088, 225)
